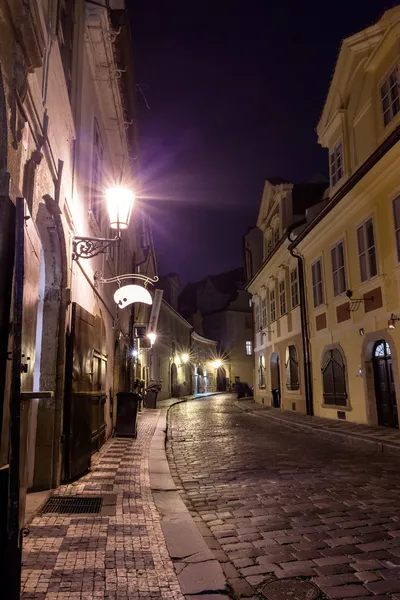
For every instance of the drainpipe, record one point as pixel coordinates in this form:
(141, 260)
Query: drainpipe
(55, 212)
(304, 324)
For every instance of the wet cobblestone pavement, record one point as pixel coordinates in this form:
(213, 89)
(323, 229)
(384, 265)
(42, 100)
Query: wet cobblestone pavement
(120, 557)
(275, 503)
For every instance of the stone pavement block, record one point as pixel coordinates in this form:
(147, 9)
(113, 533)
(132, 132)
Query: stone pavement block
(240, 587)
(230, 571)
(334, 580)
(259, 569)
(387, 586)
(367, 576)
(203, 577)
(346, 591)
(332, 560)
(300, 572)
(334, 569)
(257, 580)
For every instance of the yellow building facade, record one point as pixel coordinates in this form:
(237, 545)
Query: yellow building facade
(281, 372)
(351, 248)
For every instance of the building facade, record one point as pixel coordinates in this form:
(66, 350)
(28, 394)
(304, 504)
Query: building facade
(203, 367)
(351, 249)
(280, 347)
(221, 309)
(67, 134)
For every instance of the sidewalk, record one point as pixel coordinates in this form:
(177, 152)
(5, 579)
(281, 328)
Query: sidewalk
(142, 545)
(118, 557)
(378, 439)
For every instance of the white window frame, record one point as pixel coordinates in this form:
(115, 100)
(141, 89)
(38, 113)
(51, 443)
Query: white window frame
(339, 273)
(282, 298)
(367, 250)
(256, 306)
(336, 163)
(249, 347)
(272, 305)
(263, 312)
(317, 286)
(261, 371)
(392, 93)
(294, 287)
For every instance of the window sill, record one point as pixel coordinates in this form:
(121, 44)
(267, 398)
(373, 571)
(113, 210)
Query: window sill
(337, 407)
(262, 387)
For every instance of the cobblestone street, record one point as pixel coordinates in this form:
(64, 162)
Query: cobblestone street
(274, 503)
(120, 557)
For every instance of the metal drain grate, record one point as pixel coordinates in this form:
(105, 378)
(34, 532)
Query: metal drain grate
(75, 505)
(293, 590)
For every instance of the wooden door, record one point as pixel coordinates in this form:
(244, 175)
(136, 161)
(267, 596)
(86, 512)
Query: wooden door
(386, 402)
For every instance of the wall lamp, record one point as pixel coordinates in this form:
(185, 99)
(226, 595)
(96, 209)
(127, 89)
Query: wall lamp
(392, 321)
(119, 205)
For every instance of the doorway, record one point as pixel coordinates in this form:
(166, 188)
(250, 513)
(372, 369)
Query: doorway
(221, 380)
(275, 380)
(385, 394)
(174, 381)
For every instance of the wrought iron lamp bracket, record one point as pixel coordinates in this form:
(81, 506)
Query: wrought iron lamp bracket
(98, 278)
(88, 247)
(355, 303)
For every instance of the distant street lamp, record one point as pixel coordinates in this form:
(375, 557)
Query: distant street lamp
(152, 337)
(185, 358)
(217, 364)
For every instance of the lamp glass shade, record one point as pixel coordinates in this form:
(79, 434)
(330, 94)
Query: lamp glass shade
(128, 294)
(119, 205)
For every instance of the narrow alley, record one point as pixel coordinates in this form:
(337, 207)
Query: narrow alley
(274, 503)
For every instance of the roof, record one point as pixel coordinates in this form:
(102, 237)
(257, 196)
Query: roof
(228, 283)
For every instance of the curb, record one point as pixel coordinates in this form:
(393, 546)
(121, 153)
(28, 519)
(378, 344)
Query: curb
(199, 573)
(350, 440)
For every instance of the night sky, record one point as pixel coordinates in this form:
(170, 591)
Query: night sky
(235, 91)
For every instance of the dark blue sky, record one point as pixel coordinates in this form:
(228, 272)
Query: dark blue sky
(235, 91)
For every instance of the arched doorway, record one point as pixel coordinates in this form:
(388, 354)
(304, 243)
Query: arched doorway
(221, 380)
(275, 381)
(385, 392)
(174, 381)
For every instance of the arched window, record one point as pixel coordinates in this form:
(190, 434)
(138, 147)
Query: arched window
(334, 378)
(261, 371)
(382, 349)
(292, 368)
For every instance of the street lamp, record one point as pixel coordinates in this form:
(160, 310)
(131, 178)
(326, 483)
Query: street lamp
(217, 364)
(119, 204)
(185, 358)
(152, 337)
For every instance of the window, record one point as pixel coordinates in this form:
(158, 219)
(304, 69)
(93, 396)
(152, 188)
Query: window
(282, 298)
(65, 34)
(261, 371)
(97, 175)
(256, 316)
(390, 97)
(292, 368)
(272, 306)
(249, 348)
(335, 164)
(382, 349)
(338, 269)
(334, 378)
(318, 292)
(294, 287)
(366, 250)
(263, 312)
(396, 214)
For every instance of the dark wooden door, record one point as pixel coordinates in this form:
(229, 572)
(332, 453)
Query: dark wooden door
(275, 381)
(85, 393)
(385, 393)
